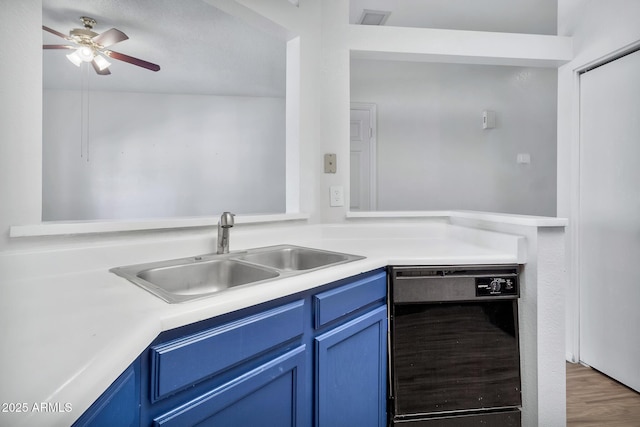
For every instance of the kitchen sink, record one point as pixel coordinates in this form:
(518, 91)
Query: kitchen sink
(197, 277)
(205, 277)
(294, 258)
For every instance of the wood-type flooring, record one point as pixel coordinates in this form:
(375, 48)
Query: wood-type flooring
(595, 400)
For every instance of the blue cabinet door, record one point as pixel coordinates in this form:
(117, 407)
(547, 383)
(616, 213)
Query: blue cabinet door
(119, 405)
(269, 395)
(351, 372)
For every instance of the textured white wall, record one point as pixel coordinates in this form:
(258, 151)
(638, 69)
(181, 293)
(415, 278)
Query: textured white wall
(162, 155)
(21, 118)
(340, 41)
(432, 151)
(20, 115)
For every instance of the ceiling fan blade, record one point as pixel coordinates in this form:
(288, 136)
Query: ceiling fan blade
(58, 46)
(131, 60)
(110, 37)
(57, 33)
(104, 72)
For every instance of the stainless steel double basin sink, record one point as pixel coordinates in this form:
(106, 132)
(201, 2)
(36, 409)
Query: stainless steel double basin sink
(186, 279)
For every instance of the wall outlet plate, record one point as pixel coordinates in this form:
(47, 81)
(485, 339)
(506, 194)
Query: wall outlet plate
(336, 195)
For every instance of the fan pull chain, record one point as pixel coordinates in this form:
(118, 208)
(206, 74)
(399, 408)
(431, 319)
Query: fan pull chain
(84, 113)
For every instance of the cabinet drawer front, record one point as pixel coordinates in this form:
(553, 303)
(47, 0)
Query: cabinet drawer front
(184, 361)
(273, 394)
(336, 303)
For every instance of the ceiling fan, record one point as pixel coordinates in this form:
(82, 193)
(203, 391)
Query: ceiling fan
(90, 46)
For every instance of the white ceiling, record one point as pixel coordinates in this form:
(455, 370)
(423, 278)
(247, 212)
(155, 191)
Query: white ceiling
(199, 48)
(509, 16)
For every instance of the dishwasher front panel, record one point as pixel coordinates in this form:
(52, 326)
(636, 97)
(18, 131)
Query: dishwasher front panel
(455, 356)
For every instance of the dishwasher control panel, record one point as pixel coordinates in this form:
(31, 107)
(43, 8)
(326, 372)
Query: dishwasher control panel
(496, 286)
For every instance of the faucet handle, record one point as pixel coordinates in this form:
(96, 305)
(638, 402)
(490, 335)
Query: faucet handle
(227, 219)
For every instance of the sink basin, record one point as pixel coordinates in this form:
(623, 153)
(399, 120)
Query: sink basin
(187, 279)
(294, 258)
(197, 277)
(205, 276)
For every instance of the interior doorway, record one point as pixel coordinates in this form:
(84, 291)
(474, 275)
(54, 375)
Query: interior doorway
(363, 157)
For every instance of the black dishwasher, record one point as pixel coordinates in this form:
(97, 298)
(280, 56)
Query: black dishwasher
(454, 350)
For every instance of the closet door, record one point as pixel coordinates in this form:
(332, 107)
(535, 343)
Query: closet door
(609, 263)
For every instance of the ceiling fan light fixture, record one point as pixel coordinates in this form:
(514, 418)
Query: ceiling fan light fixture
(80, 55)
(85, 53)
(90, 47)
(101, 63)
(74, 58)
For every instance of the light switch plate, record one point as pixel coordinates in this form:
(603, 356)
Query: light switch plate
(337, 195)
(330, 163)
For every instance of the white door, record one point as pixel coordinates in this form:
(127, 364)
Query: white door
(609, 232)
(362, 160)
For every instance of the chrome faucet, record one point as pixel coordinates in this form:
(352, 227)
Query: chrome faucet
(224, 224)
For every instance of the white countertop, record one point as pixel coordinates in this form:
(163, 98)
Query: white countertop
(503, 218)
(67, 337)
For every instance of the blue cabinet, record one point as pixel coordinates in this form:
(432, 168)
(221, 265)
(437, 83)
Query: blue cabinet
(349, 296)
(119, 405)
(314, 359)
(249, 371)
(271, 394)
(187, 360)
(350, 376)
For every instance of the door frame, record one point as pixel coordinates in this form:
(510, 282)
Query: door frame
(371, 108)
